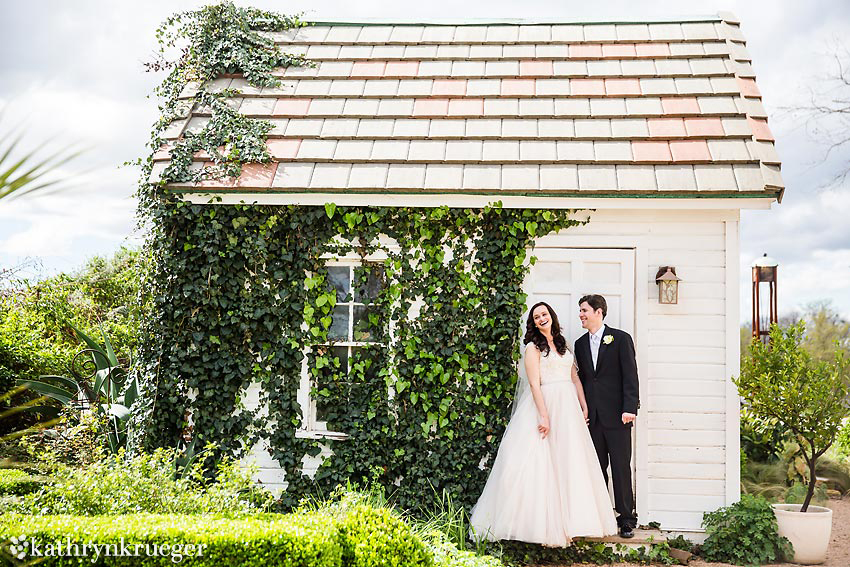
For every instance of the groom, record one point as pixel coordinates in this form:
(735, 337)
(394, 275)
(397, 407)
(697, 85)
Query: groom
(606, 366)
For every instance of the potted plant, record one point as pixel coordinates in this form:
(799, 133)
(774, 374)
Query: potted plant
(782, 381)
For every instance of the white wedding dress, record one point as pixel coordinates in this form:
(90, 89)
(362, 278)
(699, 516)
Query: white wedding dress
(550, 490)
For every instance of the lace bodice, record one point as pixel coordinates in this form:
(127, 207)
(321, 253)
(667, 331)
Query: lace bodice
(555, 368)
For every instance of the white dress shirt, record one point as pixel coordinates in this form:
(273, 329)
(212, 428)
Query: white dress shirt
(595, 341)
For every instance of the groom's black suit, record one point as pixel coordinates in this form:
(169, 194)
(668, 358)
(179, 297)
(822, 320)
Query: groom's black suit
(611, 389)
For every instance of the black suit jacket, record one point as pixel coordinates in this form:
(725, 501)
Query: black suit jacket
(612, 387)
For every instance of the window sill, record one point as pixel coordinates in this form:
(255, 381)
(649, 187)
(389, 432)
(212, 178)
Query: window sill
(319, 434)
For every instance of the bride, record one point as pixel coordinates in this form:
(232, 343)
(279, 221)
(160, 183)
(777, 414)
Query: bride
(545, 485)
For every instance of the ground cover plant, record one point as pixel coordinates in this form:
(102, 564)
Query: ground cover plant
(744, 533)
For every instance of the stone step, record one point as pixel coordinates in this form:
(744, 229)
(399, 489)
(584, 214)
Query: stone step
(643, 537)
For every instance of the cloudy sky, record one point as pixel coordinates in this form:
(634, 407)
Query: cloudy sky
(72, 76)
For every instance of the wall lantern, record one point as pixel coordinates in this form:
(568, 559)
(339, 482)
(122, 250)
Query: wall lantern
(668, 285)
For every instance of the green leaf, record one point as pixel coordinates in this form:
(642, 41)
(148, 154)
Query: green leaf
(132, 393)
(101, 359)
(119, 411)
(59, 394)
(330, 209)
(110, 353)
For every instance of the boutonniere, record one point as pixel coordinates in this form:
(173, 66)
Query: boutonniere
(608, 339)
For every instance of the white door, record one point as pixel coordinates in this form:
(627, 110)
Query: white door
(562, 276)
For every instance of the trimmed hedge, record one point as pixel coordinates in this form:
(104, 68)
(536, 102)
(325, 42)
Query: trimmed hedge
(374, 537)
(18, 483)
(365, 537)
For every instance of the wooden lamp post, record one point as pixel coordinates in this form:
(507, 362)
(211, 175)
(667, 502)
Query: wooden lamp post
(764, 272)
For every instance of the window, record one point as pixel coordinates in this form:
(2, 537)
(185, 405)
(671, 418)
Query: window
(354, 330)
(351, 323)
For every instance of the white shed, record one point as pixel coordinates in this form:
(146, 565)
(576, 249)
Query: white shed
(656, 128)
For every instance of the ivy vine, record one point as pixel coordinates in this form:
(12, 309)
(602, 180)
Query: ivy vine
(240, 294)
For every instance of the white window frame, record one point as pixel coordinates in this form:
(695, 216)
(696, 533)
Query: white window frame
(311, 427)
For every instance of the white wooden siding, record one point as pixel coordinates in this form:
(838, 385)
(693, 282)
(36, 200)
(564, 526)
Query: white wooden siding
(686, 448)
(684, 428)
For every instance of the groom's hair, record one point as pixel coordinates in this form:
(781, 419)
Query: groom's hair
(596, 302)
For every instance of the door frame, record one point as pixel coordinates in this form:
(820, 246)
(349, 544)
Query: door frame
(638, 244)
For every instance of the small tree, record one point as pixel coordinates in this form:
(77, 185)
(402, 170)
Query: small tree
(782, 380)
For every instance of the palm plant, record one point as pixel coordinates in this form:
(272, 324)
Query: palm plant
(101, 384)
(23, 172)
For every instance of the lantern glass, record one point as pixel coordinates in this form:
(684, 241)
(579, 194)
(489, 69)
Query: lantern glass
(668, 292)
(767, 274)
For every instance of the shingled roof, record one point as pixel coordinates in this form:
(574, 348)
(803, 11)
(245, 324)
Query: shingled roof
(548, 109)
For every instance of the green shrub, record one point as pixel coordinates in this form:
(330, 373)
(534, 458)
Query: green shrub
(744, 533)
(447, 554)
(836, 473)
(16, 482)
(842, 441)
(35, 338)
(146, 483)
(261, 540)
(375, 537)
(796, 494)
(364, 537)
(762, 439)
(444, 530)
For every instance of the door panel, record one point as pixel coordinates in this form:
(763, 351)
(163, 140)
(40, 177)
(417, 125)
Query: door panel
(561, 276)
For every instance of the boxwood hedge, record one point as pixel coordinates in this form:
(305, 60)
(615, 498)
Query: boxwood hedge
(364, 537)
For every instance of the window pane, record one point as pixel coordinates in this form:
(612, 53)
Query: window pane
(340, 277)
(341, 353)
(333, 390)
(366, 358)
(323, 394)
(364, 329)
(339, 325)
(374, 283)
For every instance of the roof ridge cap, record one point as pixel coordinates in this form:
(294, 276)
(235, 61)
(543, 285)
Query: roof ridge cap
(717, 17)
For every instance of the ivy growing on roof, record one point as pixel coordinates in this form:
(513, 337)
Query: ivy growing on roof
(241, 294)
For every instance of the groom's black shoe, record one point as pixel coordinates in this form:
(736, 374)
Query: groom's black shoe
(626, 532)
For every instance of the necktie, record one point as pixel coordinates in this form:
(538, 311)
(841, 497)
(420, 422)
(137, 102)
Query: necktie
(595, 349)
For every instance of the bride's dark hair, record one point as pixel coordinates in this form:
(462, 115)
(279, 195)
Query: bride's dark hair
(533, 334)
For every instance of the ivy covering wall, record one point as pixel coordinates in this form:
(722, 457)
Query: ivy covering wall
(240, 294)
(422, 405)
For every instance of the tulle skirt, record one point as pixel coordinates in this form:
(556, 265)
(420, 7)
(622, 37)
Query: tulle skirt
(548, 490)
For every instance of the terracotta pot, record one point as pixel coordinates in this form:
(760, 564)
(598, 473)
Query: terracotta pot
(808, 532)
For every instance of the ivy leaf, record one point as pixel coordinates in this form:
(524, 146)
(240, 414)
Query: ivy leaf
(330, 209)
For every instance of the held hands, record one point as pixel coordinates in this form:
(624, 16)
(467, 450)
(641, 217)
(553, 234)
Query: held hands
(543, 426)
(628, 417)
(586, 415)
